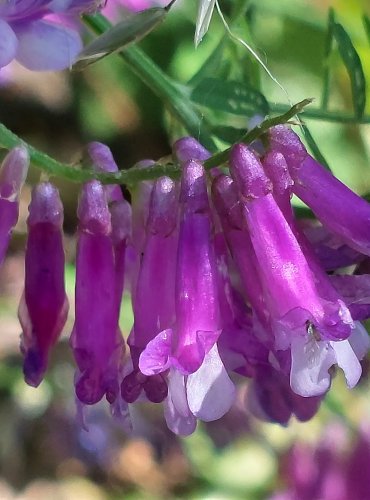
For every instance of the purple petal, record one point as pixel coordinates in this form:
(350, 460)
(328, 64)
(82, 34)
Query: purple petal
(8, 44)
(45, 46)
(188, 148)
(156, 357)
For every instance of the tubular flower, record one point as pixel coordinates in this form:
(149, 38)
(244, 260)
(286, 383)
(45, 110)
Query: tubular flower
(154, 312)
(95, 340)
(301, 318)
(32, 34)
(13, 174)
(44, 305)
(190, 346)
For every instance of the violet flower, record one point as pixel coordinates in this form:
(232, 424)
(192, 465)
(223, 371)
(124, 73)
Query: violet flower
(190, 346)
(96, 342)
(338, 208)
(301, 317)
(44, 306)
(30, 36)
(13, 174)
(154, 311)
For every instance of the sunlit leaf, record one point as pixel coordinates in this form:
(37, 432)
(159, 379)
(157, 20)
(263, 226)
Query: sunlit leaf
(231, 97)
(204, 17)
(354, 68)
(366, 20)
(132, 29)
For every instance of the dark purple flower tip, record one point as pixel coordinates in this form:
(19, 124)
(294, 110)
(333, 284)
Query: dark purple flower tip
(225, 197)
(89, 388)
(248, 173)
(13, 173)
(46, 206)
(188, 148)
(287, 142)
(162, 218)
(155, 388)
(121, 218)
(34, 366)
(93, 210)
(276, 168)
(132, 386)
(194, 188)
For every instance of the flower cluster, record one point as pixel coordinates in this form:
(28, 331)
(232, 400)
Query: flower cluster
(225, 282)
(41, 34)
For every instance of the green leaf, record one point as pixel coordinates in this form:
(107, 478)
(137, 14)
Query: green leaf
(328, 48)
(354, 68)
(228, 134)
(132, 29)
(366, 21)
(211, 64)
(231, 97)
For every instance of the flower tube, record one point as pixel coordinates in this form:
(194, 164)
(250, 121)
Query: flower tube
(44, 306)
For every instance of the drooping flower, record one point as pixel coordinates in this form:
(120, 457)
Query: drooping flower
(315, 327)
(13, 174)
(189, 348)
(341, 210)
(31, 33)
(44, 305)
(154, 306)
(95, 340)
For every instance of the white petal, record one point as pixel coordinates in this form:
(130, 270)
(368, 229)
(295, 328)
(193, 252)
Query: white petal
(210, 392)
(311, 361)
(347, 360)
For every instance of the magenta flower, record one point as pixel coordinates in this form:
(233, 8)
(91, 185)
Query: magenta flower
(96, 341)
(190, 346)
(338, 208)
(44, 306)
(301, 315)
(13, 174)
(29, 35)
(154, 312)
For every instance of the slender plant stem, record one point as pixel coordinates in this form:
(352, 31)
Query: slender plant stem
(326, 116)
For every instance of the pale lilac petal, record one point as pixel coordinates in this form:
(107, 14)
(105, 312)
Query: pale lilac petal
(8, 44)
(176, 409)
(45, 46)
(210, 391)
(156, 357)
(347, 360)
(359, 340)
(311, 361)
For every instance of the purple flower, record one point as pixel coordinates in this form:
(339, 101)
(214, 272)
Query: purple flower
(154, 311)
(96, 341)
(28, 34)
(189, 348)
(44, 306)
(338, 208)
(13, 174)
(302, 317)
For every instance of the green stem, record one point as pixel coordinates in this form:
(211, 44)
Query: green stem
(255, 133)
(173, 95)
(326, 116)
(134, 175)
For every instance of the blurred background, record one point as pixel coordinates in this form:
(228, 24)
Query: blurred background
(44, 454)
